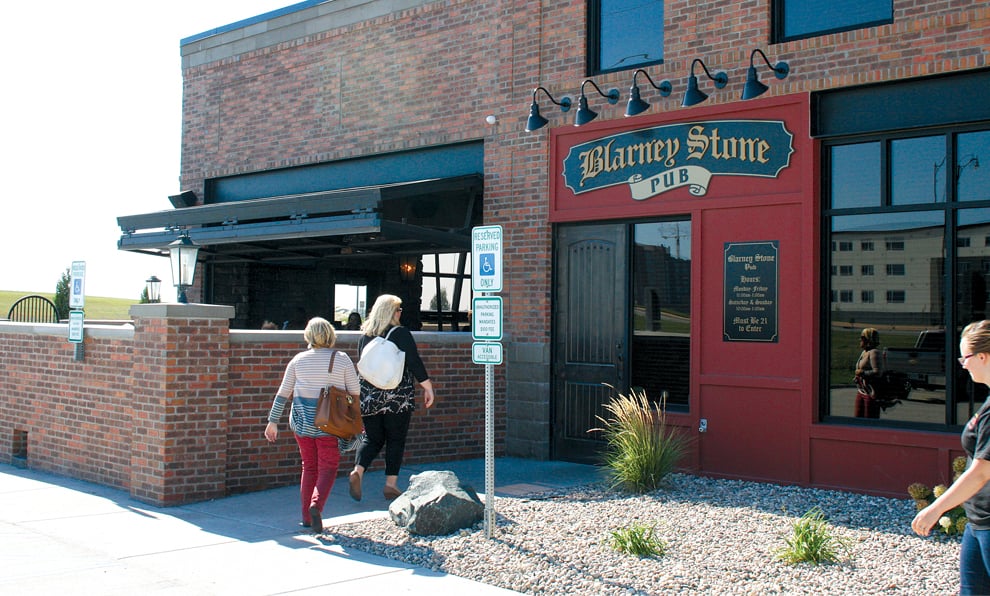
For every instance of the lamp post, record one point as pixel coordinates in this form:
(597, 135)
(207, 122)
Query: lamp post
(183, 253)
(153, 287)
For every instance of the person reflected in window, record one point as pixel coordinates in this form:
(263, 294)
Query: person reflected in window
(353, 322)
(388, 412)
(869, 367)
(971, 489)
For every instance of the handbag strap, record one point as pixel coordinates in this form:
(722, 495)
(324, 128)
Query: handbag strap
(389, 334)
(333, 355)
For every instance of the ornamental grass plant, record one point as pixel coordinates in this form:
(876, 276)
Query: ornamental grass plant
(641, 449)
(638, 540)
(812, 541)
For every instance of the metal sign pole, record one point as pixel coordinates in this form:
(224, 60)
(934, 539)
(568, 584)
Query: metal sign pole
(489, 451)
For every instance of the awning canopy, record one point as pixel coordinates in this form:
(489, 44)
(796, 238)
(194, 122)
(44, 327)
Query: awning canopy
(427, 216)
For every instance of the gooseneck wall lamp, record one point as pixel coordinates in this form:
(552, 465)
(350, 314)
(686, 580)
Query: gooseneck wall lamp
(636, 104)
(537, 121)
(754, 88)
(585, 114)
(183, 254)
(693, 95)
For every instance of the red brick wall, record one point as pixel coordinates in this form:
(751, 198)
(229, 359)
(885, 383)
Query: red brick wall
(174, 410)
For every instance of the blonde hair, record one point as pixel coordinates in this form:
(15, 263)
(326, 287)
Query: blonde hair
(870, 338)
(319, 333)
(380, 316)
(977, 336)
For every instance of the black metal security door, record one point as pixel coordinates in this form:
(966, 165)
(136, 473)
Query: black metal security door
(590, 331)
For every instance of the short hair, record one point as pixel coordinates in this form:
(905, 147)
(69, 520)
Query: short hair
(977, 335)
(319, 333)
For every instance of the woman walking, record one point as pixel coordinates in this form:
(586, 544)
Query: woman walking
(305, 375)
(971, 489)
(387, 412)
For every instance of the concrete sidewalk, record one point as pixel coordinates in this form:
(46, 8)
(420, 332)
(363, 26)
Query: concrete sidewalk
(60, 535)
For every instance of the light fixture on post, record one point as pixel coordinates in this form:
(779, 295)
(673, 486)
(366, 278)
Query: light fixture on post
(408, 264)
(153, 288)
(183, 254)
(754, 88)
(585, 114)
(636, 104)
(537, 121)
(693, 95)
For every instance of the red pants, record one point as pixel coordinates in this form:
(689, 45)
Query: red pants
(866, 406)
(320, 459)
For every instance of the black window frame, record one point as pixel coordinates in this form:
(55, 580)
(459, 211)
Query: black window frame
(953, 263)
(594, 40)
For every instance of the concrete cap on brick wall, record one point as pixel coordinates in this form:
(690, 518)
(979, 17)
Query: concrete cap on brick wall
(181, 311)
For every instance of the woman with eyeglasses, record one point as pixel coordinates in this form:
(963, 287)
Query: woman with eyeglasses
(971, 489)
(387, 412)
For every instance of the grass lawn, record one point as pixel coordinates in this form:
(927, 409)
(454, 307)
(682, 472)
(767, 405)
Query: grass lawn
(96, 307)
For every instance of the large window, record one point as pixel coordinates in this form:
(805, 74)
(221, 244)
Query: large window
(661, 296)
(624, 34)
(797, 19)
(916, 208)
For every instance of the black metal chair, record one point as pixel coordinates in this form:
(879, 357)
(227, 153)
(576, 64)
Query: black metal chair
(33, 309)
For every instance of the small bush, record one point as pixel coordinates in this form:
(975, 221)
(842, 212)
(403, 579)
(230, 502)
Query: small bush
(953, 522)
(638, 540)
(812, 541)
(642, 450)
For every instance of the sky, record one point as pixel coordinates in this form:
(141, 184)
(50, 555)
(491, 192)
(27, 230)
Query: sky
(92, 131)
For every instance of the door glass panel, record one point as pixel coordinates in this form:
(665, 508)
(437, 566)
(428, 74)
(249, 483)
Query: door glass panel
(897, 289)
(917, 170)
(661, 294)
(973, 151)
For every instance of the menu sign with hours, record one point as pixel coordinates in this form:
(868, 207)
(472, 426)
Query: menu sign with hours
(750, 290)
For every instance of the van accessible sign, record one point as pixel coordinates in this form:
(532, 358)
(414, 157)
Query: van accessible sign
(652, 161)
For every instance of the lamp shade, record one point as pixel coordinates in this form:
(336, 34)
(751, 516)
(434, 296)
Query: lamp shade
(584, 114)
(693, 95)
(753, 87)
(183, 254)
(636, 105)
(536, 121)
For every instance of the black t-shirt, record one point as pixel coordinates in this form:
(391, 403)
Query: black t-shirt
(976, 444)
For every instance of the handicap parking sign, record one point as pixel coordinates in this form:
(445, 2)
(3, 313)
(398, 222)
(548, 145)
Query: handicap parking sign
(486, 263)
(486, 259)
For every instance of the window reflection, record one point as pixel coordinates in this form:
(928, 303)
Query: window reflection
(917, 170)
(907, 309)
(973, 181)
(662, 310)
(972, 272)
(855, 177)
(630, 34)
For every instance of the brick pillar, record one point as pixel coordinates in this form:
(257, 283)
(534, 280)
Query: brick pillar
(179, 400)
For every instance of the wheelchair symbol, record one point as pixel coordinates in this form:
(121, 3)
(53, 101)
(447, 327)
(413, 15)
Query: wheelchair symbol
(487, 263)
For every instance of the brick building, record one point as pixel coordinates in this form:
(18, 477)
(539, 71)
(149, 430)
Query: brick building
(726, 251)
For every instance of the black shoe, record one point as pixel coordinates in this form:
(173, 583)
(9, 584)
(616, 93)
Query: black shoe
(304, 524)
(315, 520)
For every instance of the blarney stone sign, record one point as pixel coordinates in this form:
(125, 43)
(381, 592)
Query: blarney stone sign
(652, 161)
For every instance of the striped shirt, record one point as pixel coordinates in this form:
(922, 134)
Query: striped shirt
(304, 376)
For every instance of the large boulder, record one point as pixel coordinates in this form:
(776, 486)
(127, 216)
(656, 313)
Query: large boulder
(435, 504)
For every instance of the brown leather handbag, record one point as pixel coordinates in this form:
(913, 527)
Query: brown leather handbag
(337, 412)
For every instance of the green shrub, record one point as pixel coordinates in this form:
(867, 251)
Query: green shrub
(812, 541)
(641, 449)
(638, 540)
